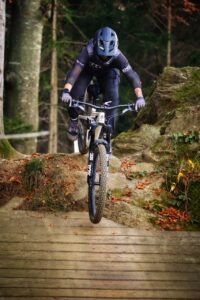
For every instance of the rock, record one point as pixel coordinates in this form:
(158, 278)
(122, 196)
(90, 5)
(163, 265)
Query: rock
(116, 181)
(185, 119)
(144, 189)
(81, 189)
(174, 88)
(149, 156)
(135, 142)
(172, 107)
(142, 167)
(115, 164)
(129, 215)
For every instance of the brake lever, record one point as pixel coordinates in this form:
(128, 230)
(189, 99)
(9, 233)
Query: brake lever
(129, 108)
(75, 104)
(81, 107)
(107, 104)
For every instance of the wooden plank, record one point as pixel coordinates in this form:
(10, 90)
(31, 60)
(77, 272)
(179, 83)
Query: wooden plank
(101, 248)
(45, 222)
(74, 298)
(86, 256)
(20, 214)
(63, 219)
(109, 266)
(96, 230)
(83, 239)
(100, 275)
(66, 256)
(116, 294)
(71, 298)
(61, 283)
(16, 213)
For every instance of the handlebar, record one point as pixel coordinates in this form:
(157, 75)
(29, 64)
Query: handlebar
(79, 104)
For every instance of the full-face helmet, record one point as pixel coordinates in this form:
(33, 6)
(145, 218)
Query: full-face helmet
(106, 44)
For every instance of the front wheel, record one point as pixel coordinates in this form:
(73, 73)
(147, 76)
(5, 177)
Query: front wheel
(97, 189)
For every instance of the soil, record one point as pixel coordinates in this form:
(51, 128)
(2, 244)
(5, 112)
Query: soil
(52, 187)
(56, 181)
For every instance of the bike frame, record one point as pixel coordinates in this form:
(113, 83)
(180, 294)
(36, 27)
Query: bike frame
(99, 136)
(99, 131)
(95, 125)
(98, 119)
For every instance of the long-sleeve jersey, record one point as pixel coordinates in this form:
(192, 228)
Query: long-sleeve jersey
(88, 59)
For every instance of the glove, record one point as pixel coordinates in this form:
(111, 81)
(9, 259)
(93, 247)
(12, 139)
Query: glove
(66, 97)
(140, 102)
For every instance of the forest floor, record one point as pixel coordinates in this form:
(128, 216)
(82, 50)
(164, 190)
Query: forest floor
(49, 183)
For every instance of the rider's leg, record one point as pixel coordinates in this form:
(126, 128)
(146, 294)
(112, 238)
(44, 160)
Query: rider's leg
(77, 92)
(110, 87)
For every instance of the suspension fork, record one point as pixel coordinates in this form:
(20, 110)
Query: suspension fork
(90, 170)
(93, 144)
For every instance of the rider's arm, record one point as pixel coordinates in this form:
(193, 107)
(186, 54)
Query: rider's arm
(78, 66)
(138, 92)
(131, 74)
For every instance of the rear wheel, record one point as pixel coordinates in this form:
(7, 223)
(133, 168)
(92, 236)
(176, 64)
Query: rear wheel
(82, 137)
(97, 190)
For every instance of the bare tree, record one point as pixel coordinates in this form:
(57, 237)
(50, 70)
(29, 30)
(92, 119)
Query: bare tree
(2, 47)
(167, 13)
(169, 32)
(53, 137)
(6, 150)
(23, 70)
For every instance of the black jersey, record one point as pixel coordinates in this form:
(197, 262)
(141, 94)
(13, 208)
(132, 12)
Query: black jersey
(88, 59)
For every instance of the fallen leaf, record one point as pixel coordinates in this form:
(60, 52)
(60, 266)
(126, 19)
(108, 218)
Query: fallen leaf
(15, 179)
(140, 185)
(126, 192)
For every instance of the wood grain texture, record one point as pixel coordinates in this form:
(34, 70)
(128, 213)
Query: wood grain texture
(64, 256)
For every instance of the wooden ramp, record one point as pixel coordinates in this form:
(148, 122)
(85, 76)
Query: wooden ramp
(64, 256)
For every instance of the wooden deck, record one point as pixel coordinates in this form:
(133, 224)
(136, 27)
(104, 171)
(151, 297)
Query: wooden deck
(64, 256)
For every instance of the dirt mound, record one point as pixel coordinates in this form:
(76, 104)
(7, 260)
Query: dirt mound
(44, 181)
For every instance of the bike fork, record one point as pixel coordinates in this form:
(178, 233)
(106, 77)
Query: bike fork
(90, 167)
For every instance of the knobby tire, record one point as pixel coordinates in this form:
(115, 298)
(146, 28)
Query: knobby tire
(97, 194)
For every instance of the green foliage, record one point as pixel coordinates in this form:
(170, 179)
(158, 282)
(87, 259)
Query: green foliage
(32, 173)
(194, 197)
(16, 125)
(189, 137)
(35, 165)
(182, 180)
(179, 201)
(193, 58)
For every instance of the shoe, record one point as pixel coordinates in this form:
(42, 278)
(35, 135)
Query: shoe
(73, 130)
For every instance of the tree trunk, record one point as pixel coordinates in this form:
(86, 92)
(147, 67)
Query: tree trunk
(6, 151)
(2, 48)
(24, 66)
(169, 32)
(53, 132)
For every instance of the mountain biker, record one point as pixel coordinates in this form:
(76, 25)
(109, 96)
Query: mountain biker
(101, 58)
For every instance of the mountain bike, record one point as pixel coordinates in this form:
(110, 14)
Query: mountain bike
(94, 137)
